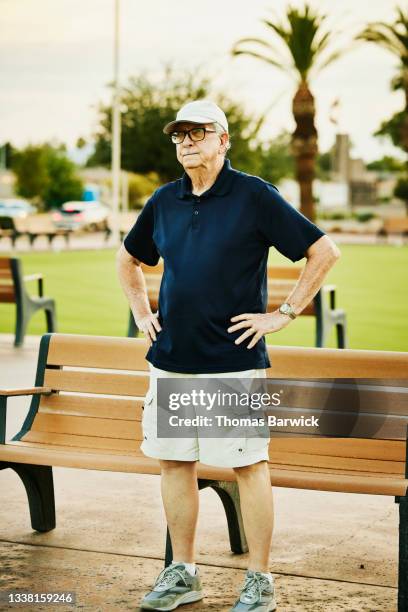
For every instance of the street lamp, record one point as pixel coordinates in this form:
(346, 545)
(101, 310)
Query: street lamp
(116, 133)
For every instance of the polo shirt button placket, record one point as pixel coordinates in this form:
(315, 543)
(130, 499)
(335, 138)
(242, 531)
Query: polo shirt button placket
(195, 214)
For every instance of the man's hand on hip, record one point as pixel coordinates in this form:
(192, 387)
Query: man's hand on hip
(149, 325)
(258, 324)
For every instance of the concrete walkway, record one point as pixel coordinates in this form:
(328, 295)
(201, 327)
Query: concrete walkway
(331, 551)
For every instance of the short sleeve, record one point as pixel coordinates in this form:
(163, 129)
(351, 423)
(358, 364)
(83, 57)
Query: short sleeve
(282, 226)
(139, 241)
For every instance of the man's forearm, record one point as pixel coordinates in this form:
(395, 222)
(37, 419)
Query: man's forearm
(310, 281)
(134, 286)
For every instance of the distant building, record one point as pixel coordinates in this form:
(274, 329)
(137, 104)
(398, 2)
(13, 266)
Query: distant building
(362, 184)
(7, 181)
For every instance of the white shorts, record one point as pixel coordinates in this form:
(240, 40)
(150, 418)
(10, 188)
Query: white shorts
(233, 452)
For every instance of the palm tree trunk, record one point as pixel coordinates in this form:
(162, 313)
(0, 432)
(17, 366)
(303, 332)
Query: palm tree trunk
(304, 145)
(404, 132)
(404, 129)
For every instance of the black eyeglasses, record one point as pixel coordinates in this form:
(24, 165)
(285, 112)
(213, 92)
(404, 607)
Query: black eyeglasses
(195, 134)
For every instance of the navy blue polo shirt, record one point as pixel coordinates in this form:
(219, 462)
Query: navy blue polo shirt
(215, 251)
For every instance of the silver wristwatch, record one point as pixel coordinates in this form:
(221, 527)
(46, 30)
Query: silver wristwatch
(287, 310)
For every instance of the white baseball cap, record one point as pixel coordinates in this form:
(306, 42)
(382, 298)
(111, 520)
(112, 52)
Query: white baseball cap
(199, 111)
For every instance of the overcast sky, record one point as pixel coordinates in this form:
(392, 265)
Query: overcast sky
(56, 61)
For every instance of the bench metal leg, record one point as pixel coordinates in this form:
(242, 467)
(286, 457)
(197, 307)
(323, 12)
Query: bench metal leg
(403, 554)
(132, 327)
(320, 335)
(229, 494)
(39, 485)
(22, 319)
(341, 335)
(51, 318)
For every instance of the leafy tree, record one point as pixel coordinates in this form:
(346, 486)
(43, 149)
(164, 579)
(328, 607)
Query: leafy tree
(401, 191)
(148, 106)
(386, 164)
(394, 38)
(6, 153)
(324, 165)
(44, 172)
(64, 183)
(305, 49)
(275, 159)
(392, 128)
(30, 168)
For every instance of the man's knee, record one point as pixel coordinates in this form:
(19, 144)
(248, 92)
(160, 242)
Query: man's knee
(170, 465)
(244, 471)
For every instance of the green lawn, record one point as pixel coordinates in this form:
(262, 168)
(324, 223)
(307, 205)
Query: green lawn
(371, 286)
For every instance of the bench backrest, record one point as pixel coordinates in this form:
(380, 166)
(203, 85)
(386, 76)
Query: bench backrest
(281, 280)
(274, 272)
(13, 224)
(396, 224)
(40, 223)
(7, 223)
(99, 385)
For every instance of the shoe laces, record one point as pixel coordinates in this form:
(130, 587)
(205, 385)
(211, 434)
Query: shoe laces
(254, 585)
(169, 577)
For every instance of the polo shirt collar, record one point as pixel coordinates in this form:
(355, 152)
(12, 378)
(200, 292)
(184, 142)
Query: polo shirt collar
(222, 185)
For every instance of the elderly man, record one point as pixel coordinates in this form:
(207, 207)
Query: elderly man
(213, 228)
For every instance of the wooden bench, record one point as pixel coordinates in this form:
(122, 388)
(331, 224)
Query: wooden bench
(13, 291)
(126, 221)
(12, 228)
(102, 430)
(394, 225)
(32, 227)
(42, 225)
(281, 280)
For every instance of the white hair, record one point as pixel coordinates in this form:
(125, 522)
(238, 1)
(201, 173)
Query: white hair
(220, 131)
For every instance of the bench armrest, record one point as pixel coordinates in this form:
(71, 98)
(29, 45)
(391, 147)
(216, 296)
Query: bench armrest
(39, 278)
(27, 391)
(5, 394)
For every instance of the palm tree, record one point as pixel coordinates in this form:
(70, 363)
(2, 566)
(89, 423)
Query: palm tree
(394, 38)
(305, 49)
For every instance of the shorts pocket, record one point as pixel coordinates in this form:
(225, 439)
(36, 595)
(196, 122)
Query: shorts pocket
(148, 415)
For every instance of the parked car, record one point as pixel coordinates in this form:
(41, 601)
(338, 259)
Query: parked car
(15, 207)
(81, 215)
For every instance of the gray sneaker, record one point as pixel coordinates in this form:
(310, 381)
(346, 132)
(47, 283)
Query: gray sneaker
(174, 586)
(257, 595)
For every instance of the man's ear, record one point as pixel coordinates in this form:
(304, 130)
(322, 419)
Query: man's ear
(224, 143)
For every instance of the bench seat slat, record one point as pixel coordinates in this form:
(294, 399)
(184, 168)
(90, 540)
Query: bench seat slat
(383, 450)
(322, 481)
(80, 431)
(87, 426)
(78, 440)
(78, 449)
(88, 381)
(337, 463)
